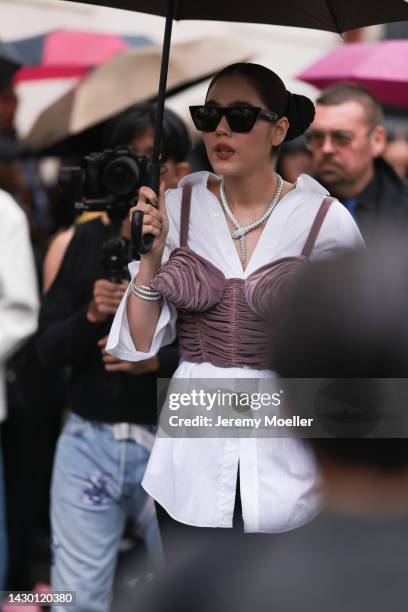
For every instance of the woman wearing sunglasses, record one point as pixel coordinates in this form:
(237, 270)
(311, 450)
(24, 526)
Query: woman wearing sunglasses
(213, 271)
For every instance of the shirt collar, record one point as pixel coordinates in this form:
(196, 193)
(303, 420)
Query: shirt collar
(307, 183)
(197, 178)
(303, 183)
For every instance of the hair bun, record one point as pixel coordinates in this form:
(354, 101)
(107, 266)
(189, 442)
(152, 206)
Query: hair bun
(300, 112)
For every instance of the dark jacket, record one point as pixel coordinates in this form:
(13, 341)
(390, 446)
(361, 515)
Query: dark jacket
(383, 204)
(67, 338)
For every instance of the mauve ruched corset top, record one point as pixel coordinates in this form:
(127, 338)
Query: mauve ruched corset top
(223, 321)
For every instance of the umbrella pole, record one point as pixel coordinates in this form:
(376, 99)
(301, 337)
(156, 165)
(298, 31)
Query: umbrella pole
(142, 244)
(155, 174)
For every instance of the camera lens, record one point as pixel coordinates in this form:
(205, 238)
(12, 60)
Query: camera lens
(121, 176)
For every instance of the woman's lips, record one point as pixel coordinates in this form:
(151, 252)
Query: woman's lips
(224, 152)
(224, 155)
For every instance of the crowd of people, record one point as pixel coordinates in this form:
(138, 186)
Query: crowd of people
(282, 182)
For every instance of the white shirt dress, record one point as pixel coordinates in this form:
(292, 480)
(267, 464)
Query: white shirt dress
(194, 479)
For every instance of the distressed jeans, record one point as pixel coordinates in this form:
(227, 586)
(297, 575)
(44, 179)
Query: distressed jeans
(96, 486)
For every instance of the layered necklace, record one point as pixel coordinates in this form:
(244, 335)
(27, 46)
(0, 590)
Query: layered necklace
(241, 231)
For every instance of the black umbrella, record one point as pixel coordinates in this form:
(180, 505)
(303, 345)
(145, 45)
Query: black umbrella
(10, 62)
(331, 15)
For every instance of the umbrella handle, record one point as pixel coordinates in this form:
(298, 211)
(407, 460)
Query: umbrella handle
(141, 244)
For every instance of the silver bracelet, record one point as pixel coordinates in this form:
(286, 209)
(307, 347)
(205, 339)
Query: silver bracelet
(144, 292)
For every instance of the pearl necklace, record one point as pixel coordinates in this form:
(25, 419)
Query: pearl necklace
(241, 231)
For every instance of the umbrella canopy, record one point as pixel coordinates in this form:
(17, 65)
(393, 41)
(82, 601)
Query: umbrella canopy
(330, 15)
(10, 62)
(380, 67)
(102, 93)
(69, 53)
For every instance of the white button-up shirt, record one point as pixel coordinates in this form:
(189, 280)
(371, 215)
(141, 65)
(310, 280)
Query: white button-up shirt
(195, 479)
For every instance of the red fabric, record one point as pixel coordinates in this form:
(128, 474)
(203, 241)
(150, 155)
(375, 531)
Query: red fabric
(32, 73)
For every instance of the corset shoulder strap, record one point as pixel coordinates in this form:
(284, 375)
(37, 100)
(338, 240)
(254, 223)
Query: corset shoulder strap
(317, 224)
(185, 214)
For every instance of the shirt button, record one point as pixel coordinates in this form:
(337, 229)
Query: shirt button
(216, 214)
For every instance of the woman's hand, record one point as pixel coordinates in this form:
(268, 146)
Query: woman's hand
(155, 220)
(142, 314)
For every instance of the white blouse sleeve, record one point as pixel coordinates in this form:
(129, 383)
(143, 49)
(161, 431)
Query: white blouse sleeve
(120, 341)
(339, 233)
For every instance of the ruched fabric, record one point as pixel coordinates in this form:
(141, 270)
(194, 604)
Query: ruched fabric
(189, 281)
(266, 287)
(222, 321)
(228, 334)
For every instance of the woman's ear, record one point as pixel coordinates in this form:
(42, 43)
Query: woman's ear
(280, 128)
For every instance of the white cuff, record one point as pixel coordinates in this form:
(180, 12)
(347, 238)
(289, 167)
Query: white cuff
(120, 342)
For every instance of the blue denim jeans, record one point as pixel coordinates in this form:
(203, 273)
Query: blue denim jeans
(96, 485)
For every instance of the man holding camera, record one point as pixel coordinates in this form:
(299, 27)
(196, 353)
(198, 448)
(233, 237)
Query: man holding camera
(104, 448)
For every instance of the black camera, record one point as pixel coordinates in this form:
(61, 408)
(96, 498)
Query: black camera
(115, 256)
(108, 180)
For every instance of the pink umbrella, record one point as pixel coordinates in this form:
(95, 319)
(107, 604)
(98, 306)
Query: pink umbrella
(69, 53)
(380, 67)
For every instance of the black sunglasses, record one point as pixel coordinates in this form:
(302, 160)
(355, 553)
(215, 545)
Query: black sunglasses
(241, 119)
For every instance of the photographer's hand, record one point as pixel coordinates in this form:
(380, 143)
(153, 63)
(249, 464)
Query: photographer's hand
(113, 364)
(106, 299)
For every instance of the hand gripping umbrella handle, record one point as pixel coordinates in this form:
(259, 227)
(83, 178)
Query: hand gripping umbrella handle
(143, 244)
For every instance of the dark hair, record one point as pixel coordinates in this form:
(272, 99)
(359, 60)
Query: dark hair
(351, 92)
(131, 123)
(297, 145)
(346, 321)
(298, 109)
